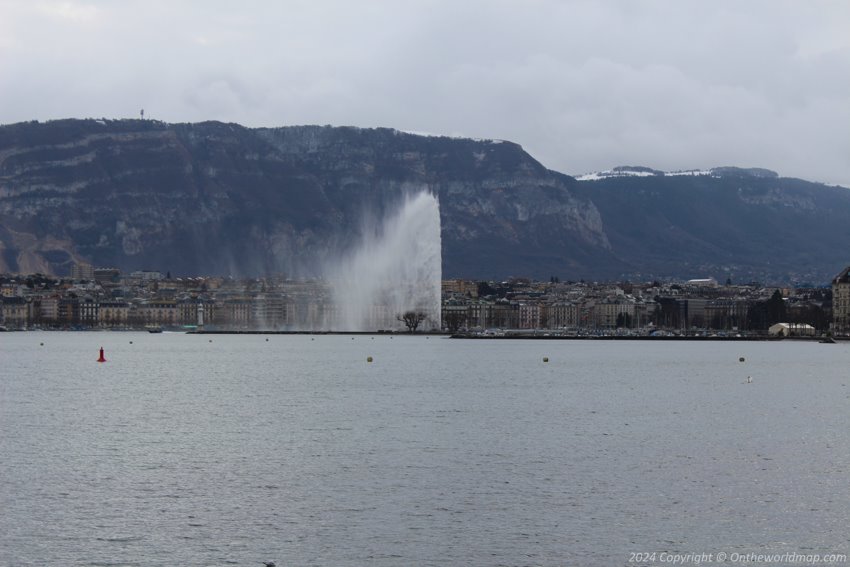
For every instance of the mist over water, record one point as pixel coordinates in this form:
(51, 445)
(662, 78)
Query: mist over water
(397, 267)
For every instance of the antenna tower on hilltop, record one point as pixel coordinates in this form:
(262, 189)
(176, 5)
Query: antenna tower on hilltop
(142, 114)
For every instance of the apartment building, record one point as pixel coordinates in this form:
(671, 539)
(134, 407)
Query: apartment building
(841, 301)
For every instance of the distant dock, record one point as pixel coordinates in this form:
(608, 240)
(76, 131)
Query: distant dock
(625, 337)
(524, 336)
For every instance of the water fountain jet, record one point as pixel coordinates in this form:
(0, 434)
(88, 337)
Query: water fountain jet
(397, 267)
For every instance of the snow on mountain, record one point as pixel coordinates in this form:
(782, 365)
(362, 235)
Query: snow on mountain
(638, 171)
(454, 136)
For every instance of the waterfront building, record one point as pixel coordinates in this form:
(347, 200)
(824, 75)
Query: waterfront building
(455, 315)
(504, 315)
(69, 311)
(234, 312)
(610, 313)
(670, 312)
(841, 301)
(113, 314)
(726, 314)
(477, 314)
(644, 309)
(529, 315)
(695, 312)
(269, 310)
(562, 314)
(157, 312)
(46, 309)
(187, 311)
(89, 309)
(15, 312)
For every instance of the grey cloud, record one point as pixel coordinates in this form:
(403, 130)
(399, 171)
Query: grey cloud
(582, 85)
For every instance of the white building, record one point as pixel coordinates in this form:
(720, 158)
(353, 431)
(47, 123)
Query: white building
(791, 330)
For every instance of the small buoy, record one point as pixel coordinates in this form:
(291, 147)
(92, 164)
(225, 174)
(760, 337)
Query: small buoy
(131, 342)
(352, 338)
(210, 340)
(42, 344)
(545, 359)
(312, 339)
(267, 340)
(101, 359)
(368, 359)
(749, 379)
(741, 359)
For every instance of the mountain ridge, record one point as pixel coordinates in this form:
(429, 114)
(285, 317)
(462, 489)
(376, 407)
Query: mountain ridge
(220, 198)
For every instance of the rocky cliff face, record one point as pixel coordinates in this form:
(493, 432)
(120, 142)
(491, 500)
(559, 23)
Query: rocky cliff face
(216, 198)
(220, 198)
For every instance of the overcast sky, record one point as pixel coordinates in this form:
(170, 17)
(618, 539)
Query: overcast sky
(582, 85)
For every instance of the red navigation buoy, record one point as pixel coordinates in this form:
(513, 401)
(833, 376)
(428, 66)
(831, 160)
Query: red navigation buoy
(101, 359)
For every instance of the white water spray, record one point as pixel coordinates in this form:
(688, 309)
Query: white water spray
(396, 268)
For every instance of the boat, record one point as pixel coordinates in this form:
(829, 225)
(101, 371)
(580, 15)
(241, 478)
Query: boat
(154, 329)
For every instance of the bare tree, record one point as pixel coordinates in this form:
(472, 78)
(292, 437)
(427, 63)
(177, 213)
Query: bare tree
(454, 320)
(412, 319)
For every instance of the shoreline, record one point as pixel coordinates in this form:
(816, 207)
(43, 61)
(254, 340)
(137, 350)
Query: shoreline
(641, 338)
(464, 336)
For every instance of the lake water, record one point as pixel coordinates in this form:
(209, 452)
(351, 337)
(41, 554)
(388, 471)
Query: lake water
(234, 450)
